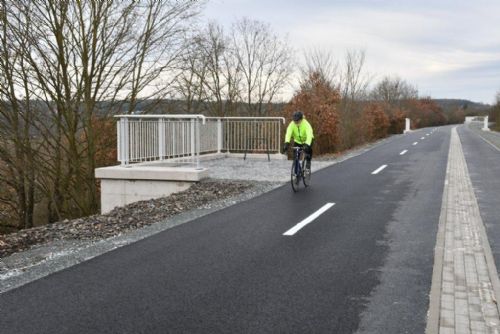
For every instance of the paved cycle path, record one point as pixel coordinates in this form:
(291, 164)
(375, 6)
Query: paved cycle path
(365, 264)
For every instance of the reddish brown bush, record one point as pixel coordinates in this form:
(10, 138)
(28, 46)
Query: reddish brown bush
(318, 100)
(457, 116)
(397, 121)
(424, 112)
(375, 121)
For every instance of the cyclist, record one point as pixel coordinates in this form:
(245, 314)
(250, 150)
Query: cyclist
(302, 133)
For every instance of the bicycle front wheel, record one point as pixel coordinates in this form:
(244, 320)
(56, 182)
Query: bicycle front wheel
(295, 177)
(306, 177)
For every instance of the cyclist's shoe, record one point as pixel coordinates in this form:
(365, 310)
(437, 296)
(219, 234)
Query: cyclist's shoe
(308, 164)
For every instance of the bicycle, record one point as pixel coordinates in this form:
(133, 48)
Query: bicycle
(299, 170)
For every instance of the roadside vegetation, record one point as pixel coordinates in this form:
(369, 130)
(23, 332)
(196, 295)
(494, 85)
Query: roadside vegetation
(495, 113)
(66, 67)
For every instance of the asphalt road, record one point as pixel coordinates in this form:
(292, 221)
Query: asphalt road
(483, 162)
(365, 264)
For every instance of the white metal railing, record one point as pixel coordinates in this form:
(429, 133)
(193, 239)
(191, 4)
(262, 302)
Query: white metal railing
(182, 138)
(250, 134)
(159, 137)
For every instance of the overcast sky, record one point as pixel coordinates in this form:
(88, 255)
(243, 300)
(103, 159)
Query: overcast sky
(448, 49)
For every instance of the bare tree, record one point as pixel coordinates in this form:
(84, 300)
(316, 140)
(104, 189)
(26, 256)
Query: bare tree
(353, 87)
(202, 76)
(223, 76)
(189, 82)
(354, 80)
(86, 60)
(250, 66)
(265, 61)
(322, 63)
(394, 91)
(17, 150)
(159, 47)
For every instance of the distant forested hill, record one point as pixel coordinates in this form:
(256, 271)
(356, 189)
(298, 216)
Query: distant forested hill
(470, 107)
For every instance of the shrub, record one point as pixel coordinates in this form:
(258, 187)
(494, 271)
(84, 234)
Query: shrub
(424, 112)
(397, 121)
(318, 100)
(375, 121)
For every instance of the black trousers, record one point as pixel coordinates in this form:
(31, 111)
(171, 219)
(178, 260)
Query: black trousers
(308, 151)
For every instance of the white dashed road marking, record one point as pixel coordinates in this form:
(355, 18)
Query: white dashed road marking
(378, 170)
(309, 219)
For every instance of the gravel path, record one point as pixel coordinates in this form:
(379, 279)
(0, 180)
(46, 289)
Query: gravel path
(256, 170)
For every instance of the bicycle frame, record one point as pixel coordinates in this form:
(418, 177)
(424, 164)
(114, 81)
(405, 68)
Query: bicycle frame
(297, 172)
(297, 151)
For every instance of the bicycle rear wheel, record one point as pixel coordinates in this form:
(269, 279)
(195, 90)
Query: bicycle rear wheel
(306, 177)
(295, 177)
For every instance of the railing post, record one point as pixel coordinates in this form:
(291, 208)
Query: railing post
(174, 144)
(123, 141)
(198, 142)
(118, 140)
(219, 135)
(279, 137)
(193, 138)
(161, 138)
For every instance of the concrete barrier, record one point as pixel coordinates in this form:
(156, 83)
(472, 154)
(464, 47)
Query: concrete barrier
(407, 126)
(486, 125)
(124, 185)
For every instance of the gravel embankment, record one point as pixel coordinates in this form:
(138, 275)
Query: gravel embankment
(123, 219)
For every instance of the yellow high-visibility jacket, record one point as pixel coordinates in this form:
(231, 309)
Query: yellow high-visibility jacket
(301, 134)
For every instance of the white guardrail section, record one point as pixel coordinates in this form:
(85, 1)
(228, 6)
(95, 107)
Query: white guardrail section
(182, 138)
(144, 138)
(249, 134)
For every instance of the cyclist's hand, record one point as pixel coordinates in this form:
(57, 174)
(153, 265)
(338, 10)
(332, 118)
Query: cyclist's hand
(307, 148)
(285, 147)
